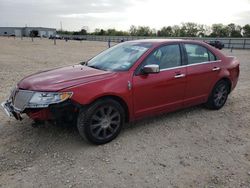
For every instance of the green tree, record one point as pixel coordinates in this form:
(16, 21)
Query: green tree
(246, 30)
(219, 30)
(189, 29)
(234, 30)
(176, 31)
(111, 32)
(165, 32)
(203, 30)
(99, 32)
(81, 32)
(63, 32)
(133, 30)
(144, 31)
(183, 31)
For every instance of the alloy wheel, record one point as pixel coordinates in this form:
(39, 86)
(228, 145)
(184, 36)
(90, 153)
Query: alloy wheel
(105, 122)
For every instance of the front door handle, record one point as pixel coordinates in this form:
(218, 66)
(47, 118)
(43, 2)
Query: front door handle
(216, 69)
(179, 76)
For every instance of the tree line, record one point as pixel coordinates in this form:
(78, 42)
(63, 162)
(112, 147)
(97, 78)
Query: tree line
(188, 29)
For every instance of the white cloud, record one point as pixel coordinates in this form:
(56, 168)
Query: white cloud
(103, 15)
(120, 14)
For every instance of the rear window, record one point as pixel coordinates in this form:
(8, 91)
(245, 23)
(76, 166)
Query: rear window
(198, 54)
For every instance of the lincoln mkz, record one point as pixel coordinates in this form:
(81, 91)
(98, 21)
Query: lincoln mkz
(124, 83)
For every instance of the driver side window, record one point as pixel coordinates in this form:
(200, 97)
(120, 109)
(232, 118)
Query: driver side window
(166, 57)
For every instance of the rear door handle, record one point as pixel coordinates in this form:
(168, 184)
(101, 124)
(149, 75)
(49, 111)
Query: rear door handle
(216, 68)
(179, 75)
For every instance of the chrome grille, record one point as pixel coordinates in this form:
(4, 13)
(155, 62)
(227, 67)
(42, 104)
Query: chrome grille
(20, 98)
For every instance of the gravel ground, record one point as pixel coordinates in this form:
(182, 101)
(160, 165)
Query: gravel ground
(194, 147)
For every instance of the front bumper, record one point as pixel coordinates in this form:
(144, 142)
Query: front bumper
(65, 111)
(19, 102)
(10, 111)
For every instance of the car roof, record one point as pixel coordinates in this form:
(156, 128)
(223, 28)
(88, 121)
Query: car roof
(162, 41)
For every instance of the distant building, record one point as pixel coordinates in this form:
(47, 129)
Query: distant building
(27, 31)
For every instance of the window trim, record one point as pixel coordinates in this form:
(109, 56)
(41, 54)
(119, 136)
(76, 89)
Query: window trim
(209, 52)
(183, 66)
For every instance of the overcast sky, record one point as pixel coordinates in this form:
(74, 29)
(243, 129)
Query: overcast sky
(121, 14)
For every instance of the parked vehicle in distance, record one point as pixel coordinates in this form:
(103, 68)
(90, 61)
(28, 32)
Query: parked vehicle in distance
(78, 38)
(216, 43)
(126, 82)
(56, 37)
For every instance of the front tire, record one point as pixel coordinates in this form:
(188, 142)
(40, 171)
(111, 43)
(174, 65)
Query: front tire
(102, 121)
(219, 95)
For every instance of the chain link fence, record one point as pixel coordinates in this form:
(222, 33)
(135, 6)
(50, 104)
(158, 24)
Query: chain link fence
(236, 43)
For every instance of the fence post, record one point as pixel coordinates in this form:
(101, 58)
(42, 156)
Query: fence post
(109, 43)
(244, 45)
(229, 43)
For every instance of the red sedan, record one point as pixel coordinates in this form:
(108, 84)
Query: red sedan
(129, 81)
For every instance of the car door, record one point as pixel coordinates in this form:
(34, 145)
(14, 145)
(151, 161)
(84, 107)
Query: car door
(163, 91)
(201, 72)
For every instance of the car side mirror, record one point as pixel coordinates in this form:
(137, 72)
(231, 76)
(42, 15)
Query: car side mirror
(82, 63)
(151, 69)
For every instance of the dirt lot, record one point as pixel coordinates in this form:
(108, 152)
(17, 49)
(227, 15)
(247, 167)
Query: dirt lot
(194, 147)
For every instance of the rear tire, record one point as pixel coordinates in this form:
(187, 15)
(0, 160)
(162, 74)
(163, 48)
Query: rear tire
(219, 95)
(101, 122)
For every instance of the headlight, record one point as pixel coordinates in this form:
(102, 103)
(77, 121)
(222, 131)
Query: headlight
(44, 99)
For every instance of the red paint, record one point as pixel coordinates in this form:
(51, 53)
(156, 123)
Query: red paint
(39, 114)
(150, 94)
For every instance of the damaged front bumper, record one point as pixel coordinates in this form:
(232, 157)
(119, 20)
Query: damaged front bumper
(37, 105)
(65, 111)
(10, 111)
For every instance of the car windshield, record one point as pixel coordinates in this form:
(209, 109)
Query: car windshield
(120, 57)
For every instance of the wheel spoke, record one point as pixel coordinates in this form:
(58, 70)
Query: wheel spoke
(222, 88)
(97, 118)
(221, 101)
(114, 115)
(104, 133)
(216, 101)
(97, 133)
(94, 126)
(102, 111)
(111, 129)
(115, 122)
(110, 109)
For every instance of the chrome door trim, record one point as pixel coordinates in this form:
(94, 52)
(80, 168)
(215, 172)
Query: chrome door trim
(205, 62)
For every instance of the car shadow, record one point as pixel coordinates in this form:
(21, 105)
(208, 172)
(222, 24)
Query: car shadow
(49, 133)
(27, 144)
(165, 117)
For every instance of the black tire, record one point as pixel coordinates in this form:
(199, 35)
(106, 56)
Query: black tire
(101, 122)
(219, 95)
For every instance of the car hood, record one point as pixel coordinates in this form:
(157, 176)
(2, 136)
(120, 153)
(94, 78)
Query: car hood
(61, 78)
